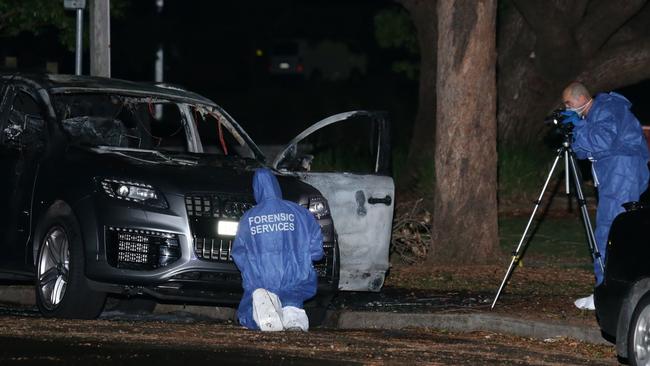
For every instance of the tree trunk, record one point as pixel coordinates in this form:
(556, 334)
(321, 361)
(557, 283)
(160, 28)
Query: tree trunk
(423, 15)
(465, 201)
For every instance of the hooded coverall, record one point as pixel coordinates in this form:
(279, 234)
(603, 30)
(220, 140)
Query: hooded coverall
(276, 243)
(613, 140)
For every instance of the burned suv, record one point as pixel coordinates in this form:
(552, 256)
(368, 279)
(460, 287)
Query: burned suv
(114, 187)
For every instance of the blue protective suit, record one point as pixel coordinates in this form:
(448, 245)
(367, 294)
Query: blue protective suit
(613, 140)
(276, 243)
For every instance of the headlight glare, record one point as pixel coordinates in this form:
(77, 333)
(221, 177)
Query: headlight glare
(139, 193)
(133, 191)
(123, 191)
(318, 207)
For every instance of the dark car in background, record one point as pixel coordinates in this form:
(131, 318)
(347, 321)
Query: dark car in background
(114, 188)
(623, 299)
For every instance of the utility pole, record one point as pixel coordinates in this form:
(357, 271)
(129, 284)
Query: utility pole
(100, 38)
(78, 6)
(158, 77)
(159, 65)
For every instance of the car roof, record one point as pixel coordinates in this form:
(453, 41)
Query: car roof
(63, 84)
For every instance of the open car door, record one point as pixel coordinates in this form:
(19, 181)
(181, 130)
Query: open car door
(348, 160)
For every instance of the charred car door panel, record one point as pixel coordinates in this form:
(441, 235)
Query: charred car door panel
(361, 203)
(363, 229)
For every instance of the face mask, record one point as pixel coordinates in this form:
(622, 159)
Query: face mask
(580, 109)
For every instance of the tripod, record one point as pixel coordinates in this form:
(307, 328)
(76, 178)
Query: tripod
(568, 154)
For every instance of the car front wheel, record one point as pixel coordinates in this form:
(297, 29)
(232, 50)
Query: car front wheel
(638, 341)
(61, 287)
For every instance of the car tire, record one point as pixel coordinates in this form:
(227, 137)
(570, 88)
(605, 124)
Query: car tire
(638, 333)
(62, 290)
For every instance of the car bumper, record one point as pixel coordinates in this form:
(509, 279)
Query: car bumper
(177, 269)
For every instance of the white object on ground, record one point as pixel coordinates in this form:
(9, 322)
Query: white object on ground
(294, 318)
(586, 303)
(267, 310)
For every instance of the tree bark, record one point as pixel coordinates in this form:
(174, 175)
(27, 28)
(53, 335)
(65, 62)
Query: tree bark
(421, 149)
(465, 201)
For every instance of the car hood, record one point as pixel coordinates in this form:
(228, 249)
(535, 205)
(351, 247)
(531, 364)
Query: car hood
(204, 174)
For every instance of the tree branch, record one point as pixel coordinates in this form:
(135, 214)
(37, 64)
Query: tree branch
(602, 20)
(631, 60)
(542, 16)
(4, 17)
(552, 25)
(637, 27)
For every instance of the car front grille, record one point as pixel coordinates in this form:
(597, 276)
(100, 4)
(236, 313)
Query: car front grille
(140, 249)
(214, 249)
(204, 210)
(225, 206)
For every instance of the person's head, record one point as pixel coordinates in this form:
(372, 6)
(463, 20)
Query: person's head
(576, 98)
(265, 185)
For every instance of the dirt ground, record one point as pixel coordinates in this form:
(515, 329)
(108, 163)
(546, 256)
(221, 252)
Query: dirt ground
(35, 340)
(535, 293)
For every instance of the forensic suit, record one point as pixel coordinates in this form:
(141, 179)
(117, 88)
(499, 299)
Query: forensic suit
(612, 138)
(276, 243)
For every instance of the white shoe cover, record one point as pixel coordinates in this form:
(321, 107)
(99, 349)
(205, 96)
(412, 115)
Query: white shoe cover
(586, 303)
(294, 318)
(267, 310)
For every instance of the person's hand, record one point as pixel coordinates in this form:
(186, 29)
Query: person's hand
(572, 117)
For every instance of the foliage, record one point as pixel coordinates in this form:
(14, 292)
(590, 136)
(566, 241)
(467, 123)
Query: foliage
(394, 30)
(348, 158)
(521, 172)
(37, 16)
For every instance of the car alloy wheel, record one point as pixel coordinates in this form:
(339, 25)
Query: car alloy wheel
(53, 267)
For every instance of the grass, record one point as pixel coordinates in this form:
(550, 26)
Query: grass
(557, 263)
(521, 172)
(555, 241)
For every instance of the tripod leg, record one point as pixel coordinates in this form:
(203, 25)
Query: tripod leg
(586, 220)
(516, 255)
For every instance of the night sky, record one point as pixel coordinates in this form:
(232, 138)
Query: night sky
(210, 47)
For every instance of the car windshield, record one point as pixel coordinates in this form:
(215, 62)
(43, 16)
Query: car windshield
(120, 121)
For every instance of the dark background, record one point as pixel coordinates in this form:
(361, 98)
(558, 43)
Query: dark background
(210, 48)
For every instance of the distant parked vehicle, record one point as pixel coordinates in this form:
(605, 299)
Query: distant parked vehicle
(324, 60)
(287, 58)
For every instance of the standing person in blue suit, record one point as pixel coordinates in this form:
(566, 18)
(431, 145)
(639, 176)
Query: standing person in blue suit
(276, 243)
(609, 135)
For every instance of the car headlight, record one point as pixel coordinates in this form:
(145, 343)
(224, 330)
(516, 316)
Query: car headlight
(134, 192)
(318, 206)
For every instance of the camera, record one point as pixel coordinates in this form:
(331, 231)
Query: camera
(556, 119)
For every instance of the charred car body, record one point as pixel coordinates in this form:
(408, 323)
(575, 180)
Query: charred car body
(113, 187)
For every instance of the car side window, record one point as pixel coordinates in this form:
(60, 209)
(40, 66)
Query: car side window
(25, 129)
